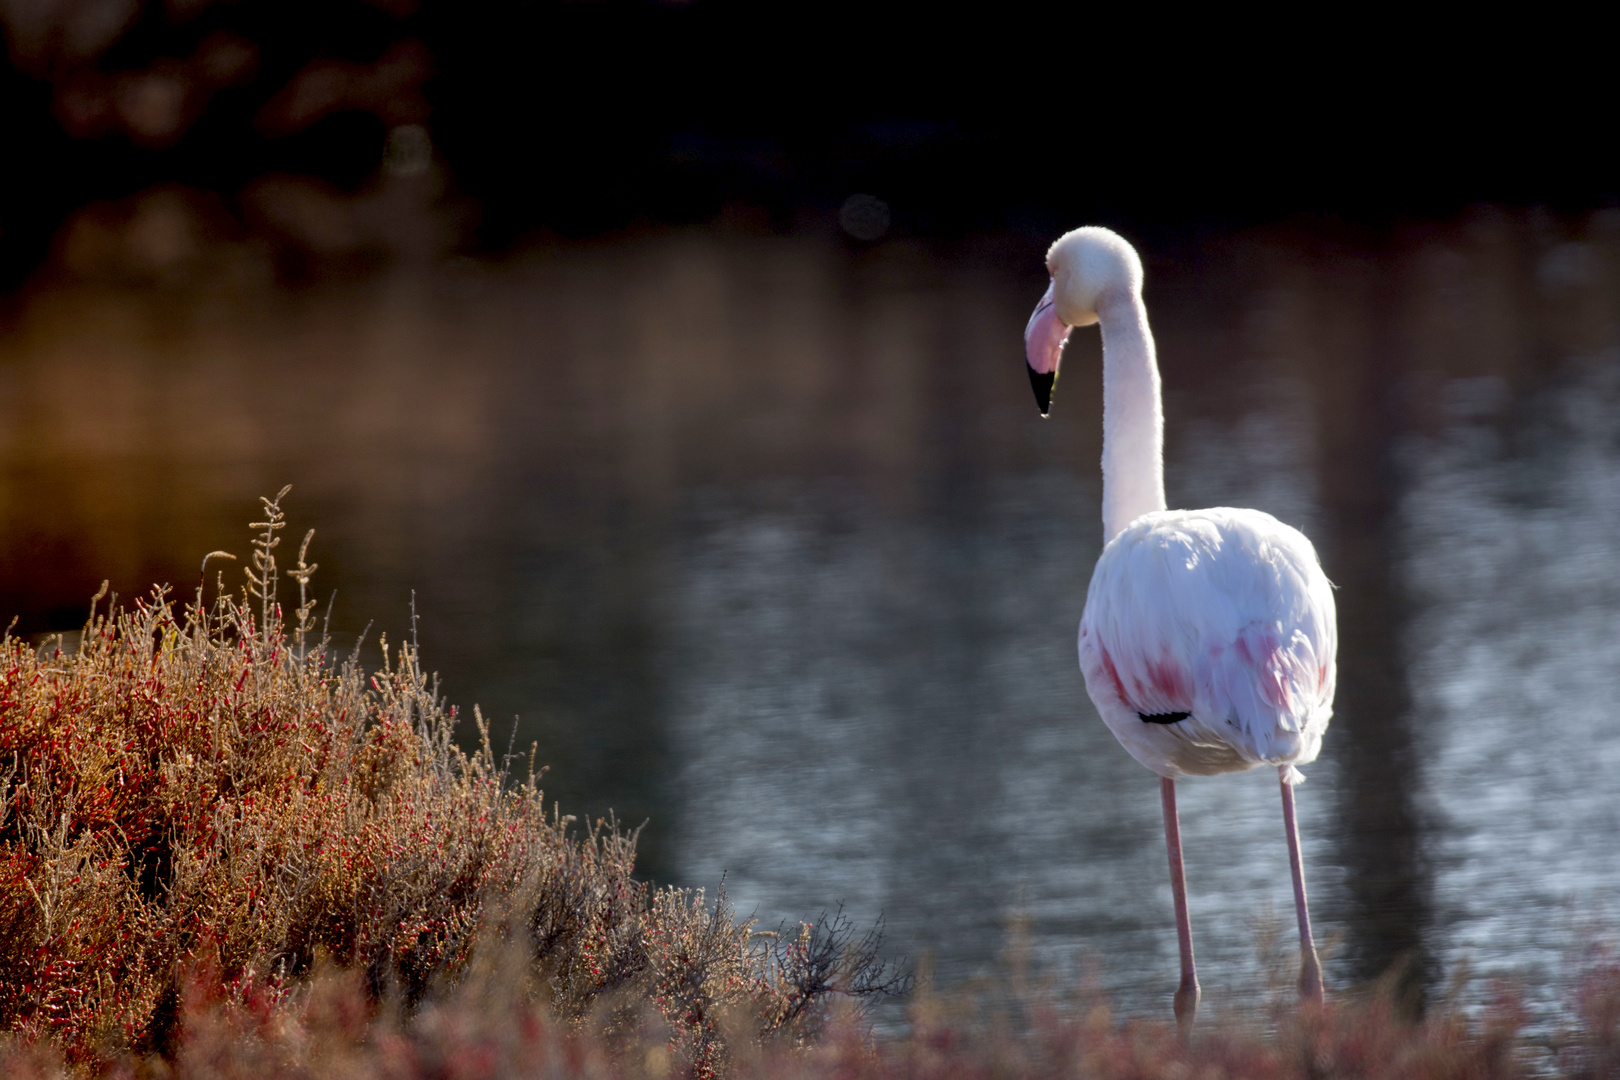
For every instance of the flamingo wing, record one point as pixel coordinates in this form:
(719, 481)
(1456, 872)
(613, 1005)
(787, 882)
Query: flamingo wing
(1223, 615)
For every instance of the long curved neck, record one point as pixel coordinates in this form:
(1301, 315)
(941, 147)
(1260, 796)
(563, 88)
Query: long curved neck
(1133, 420)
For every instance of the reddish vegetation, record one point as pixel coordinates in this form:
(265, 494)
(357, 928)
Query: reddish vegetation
(202, 809)
(491, 1027)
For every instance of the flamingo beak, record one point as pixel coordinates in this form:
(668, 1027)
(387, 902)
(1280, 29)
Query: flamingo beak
(1043, 349)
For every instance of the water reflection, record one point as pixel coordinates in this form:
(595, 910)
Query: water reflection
(764, 544)
(1382, 834)
(1514, 511)
(884, 713)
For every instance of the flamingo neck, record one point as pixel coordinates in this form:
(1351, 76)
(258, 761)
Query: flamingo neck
(1133, 419)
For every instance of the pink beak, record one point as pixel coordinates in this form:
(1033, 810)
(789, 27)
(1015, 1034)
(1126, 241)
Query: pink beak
(1043, 348)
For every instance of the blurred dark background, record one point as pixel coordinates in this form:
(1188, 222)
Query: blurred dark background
(584, 118)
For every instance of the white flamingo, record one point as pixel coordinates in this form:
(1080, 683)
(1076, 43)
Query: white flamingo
(1208, 640)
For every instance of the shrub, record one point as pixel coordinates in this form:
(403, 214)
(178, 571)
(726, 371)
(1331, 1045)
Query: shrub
(203, 807)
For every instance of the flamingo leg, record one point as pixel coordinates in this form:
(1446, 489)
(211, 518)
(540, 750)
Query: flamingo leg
(1186, 1002)
(1310, 969)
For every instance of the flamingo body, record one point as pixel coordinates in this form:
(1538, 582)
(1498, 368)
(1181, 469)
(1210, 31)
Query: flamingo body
(1223, 615)
(1208, 641)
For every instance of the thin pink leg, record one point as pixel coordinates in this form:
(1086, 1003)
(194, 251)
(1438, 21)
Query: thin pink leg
(1310, 968)
(1186, 1004)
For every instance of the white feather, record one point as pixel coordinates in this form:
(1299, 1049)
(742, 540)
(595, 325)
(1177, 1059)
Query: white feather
(1208, 641)
(1223, 614)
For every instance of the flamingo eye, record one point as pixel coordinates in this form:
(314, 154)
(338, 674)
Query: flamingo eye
(1163, 717)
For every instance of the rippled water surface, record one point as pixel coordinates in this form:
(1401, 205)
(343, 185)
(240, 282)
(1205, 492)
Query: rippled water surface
(762, 542)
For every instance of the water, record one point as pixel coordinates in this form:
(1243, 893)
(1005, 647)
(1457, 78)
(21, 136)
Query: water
(762, 542)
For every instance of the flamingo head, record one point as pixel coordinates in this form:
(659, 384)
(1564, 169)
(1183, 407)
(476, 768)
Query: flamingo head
(1089, 267)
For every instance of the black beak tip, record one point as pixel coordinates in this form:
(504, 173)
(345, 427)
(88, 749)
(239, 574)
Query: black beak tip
(1042, 384)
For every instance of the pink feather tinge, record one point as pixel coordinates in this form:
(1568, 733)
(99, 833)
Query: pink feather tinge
(1221, 614)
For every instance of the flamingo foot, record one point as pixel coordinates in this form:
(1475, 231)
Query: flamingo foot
(1186, 1005)
(1310, 968)
(1186, 1000)
(1310, 977)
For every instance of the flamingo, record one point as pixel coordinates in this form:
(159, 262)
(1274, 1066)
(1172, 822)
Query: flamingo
(1208, 639)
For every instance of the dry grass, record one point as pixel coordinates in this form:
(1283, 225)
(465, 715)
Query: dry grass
(489, 1026)
(203, 807)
